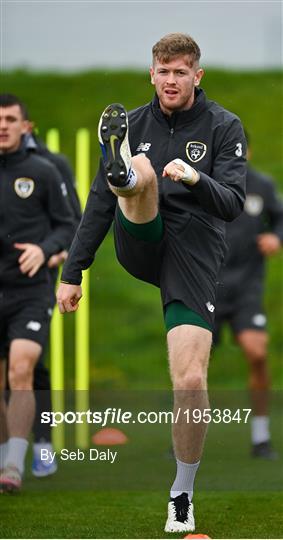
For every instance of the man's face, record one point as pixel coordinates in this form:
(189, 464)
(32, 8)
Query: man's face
(175, 83)
(12, 127)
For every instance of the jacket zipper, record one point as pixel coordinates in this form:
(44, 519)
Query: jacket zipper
(171, 131)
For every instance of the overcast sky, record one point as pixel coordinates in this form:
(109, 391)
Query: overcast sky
(72, 35)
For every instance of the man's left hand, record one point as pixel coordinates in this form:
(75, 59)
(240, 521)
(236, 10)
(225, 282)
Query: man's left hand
(268, 244)
(57, 259)
(31, 259)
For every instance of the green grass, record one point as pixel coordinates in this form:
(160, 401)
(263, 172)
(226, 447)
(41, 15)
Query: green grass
(235, 496)
(138, 515)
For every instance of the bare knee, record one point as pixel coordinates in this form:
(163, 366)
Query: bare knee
(254, 345)
(257, 355)
(21, 375)
(193, 378)
(188, 371)
(22, 359)
(189, 348)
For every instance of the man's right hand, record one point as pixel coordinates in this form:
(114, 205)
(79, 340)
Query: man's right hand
(68, 297)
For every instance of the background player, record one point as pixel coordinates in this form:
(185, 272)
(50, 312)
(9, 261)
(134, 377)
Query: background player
(42, 387)
(255, 235)
(36, 223)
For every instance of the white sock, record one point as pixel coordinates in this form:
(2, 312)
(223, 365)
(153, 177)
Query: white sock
(260, 429)
(3, 454)
(132, 180)
(17, 452)
(185, 477)
(37, 447)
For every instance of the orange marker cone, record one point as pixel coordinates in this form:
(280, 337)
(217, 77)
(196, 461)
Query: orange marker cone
(196, 536)
(109, 437)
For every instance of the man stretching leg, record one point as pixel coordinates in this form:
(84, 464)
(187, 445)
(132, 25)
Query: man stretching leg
(169, 209)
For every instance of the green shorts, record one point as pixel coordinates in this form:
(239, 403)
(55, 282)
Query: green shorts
(176, 313)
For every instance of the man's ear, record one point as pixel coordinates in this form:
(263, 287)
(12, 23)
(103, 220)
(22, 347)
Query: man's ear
(198, 76)
(151, 71)
(25, 126)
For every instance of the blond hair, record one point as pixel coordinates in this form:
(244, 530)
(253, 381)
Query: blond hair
(173, 45)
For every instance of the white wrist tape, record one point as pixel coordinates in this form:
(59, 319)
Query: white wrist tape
(191, 176)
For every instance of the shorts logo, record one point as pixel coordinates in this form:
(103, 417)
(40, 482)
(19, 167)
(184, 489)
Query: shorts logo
(195, 150)
(253, 205)
(210, 307)
(33, 325)
(259, 319)
(24, 187)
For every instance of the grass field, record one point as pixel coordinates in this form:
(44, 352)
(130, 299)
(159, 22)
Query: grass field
(236, 497)
(138, 515)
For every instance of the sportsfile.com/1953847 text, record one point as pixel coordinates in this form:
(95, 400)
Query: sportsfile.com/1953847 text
(118, 416)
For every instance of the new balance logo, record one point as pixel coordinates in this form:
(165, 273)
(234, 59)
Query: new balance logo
(210, 307)
(143, 147)
(64, 189)
(259, 319)
(33, 325)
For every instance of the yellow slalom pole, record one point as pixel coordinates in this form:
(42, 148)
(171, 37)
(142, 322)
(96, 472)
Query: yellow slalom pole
(82, 315)
(56, 339)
